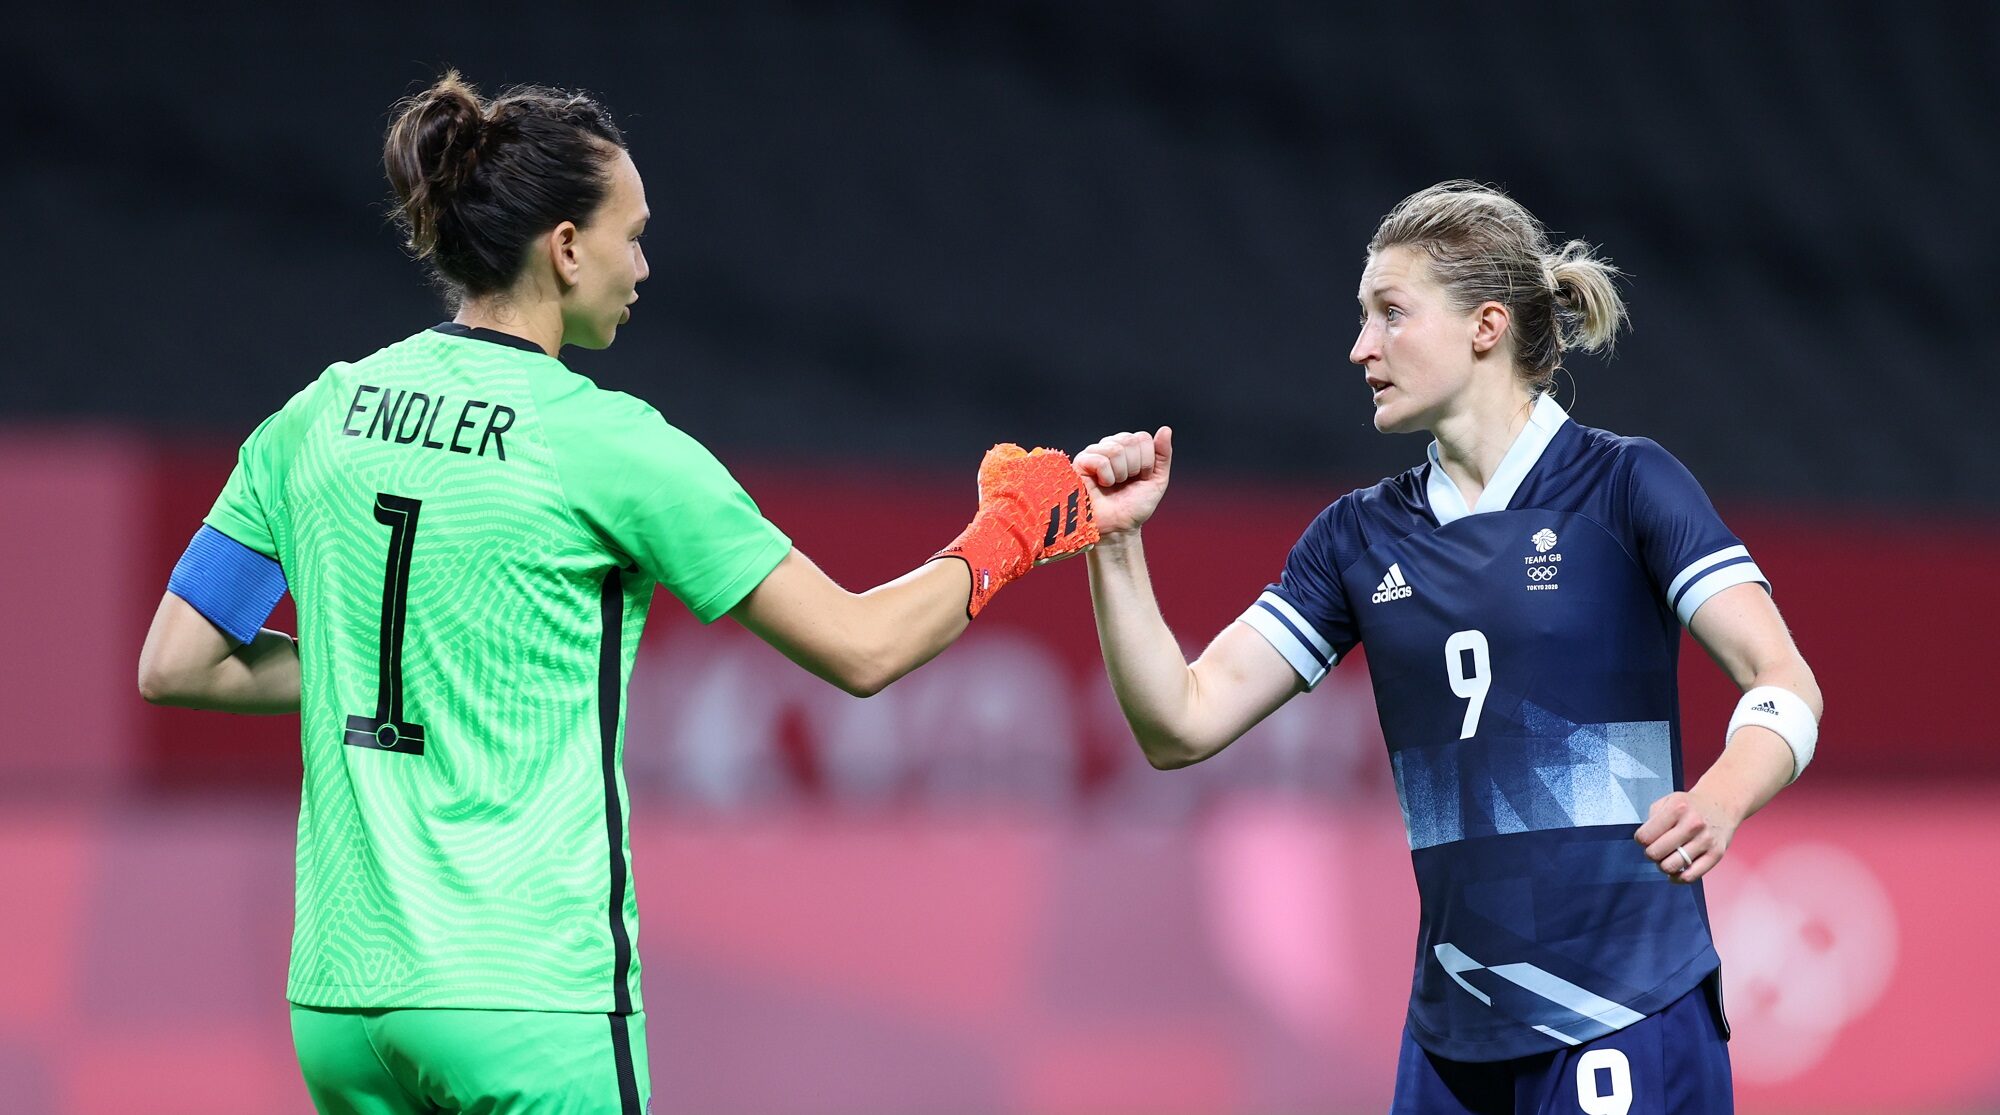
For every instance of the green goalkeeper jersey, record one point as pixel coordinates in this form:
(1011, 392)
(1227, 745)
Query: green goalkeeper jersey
(472, 534)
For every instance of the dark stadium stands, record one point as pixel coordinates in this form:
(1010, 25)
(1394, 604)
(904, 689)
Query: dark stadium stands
(892, 229)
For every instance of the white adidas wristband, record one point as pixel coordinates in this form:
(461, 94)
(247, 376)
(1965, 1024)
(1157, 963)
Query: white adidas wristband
(1783, 712)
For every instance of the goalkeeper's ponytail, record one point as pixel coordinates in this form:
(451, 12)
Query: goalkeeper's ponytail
(1484, 246)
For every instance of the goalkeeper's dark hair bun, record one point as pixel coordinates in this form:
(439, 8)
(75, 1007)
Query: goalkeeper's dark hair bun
(475, 180)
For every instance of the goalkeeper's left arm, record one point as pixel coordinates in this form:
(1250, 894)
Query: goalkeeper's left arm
(1032, 510)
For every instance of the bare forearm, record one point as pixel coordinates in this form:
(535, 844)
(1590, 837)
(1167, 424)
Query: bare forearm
(861, 641)
(1757, 763)
(910, 620)
(259, 677)
(1688, 833)
(1141, 655)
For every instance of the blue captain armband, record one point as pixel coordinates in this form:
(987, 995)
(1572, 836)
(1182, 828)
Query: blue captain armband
(233, 585)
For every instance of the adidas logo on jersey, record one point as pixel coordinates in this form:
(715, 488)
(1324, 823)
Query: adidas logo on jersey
(1393, 586)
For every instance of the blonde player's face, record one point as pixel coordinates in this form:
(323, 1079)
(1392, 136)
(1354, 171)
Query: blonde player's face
(1414, 349)
(611, 264)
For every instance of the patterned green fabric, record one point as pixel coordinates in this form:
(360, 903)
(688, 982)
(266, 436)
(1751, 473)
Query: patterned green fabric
(472, 534)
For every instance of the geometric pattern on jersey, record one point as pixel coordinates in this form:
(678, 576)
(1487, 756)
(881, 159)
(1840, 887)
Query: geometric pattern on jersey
(1569, 775)
(1523, 652)
(472, 534)
(1596, 1015)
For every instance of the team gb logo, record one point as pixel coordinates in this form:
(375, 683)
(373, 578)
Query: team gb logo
(1543, 566)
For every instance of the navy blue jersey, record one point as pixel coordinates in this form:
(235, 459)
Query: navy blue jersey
(1523, 653)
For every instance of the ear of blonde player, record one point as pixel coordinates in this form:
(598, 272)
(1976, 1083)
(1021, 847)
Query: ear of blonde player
(1032, 511)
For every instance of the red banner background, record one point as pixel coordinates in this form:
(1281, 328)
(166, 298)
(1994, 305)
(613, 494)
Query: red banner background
(970, 892)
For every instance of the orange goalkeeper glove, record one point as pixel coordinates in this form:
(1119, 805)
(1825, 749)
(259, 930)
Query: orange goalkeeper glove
(1032, 510)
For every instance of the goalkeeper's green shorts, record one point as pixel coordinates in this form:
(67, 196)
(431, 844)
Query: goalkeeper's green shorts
(415, 1062)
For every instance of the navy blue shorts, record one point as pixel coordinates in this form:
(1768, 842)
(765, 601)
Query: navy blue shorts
(1675, 1062)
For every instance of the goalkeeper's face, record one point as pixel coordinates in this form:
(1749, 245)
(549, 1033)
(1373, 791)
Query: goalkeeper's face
(609, 263)
(1416, 352)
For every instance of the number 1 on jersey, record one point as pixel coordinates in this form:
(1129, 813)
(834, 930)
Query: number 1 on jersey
(387, 730)
(1468, 649)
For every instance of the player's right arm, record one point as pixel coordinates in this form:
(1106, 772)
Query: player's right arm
(1031, 511)
(858, 641)
(664, 504)
(1181, 713)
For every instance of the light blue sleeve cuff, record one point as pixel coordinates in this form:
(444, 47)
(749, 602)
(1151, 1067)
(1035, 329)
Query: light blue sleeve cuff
(1273, 617)
(234, 586)
(1704, 577)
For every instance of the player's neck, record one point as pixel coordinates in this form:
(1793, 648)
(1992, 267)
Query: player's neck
(1475, 437)
(540, 323)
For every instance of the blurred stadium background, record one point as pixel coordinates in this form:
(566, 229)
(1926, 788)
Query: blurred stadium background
(885, 235)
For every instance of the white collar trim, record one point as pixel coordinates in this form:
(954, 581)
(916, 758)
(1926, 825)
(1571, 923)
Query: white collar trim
(1448, 503)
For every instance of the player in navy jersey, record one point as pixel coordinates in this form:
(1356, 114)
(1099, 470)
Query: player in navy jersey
(1521, 594)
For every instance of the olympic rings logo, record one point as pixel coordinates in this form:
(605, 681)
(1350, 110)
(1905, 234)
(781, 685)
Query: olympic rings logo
(1544, 572)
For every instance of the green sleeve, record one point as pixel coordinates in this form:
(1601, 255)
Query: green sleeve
(663, 501)
(255, 487)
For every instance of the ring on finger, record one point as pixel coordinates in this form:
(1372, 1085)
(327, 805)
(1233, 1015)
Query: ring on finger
(1686, 860)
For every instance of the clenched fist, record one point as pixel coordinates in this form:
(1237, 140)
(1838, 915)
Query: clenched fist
(1126, 475)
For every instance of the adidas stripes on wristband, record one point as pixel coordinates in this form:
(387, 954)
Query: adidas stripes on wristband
(1784, 712)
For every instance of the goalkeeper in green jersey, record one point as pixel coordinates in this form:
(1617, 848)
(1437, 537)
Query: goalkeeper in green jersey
(472, 534)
